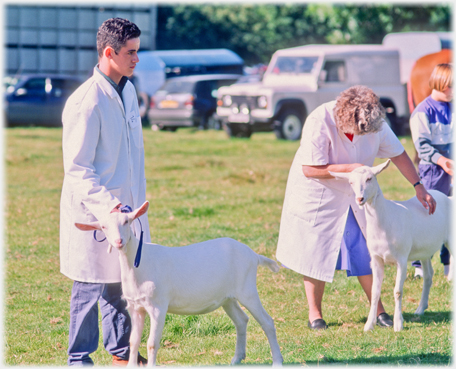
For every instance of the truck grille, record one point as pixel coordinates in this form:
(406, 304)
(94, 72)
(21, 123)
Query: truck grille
(251, 101)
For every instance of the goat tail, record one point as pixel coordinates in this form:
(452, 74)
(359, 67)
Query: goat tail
(271, 264)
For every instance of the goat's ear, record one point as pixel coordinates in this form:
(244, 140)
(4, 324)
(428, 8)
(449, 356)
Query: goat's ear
(379, 168)
(339, 175)
(88, 227)
(140, 211)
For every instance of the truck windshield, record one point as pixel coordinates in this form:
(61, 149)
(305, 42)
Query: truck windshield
(294, 65)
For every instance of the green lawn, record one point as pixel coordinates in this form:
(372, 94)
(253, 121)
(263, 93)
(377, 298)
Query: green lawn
(203, 185)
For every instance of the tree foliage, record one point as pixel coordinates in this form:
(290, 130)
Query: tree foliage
(255, 31)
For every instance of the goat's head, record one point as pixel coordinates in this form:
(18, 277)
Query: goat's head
(363, 181)
(115, 226)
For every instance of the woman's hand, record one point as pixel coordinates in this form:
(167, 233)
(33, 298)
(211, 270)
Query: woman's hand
(425, 198)
(446, 164)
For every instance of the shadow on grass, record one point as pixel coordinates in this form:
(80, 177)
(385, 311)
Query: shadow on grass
(428, 317)
(431, 358)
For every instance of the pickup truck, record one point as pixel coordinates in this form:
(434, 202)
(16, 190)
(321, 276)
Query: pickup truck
(300, 79)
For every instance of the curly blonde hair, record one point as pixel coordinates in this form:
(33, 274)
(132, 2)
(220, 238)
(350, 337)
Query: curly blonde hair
(358, 111)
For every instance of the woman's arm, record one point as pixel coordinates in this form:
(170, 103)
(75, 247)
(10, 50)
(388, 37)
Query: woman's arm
(322, 171)
(406, 167)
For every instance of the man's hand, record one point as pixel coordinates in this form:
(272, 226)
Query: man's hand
(446, 164)
(425, 198)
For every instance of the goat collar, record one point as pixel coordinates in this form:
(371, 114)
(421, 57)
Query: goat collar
(127, 209)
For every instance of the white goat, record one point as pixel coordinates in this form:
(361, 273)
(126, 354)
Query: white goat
(398, 231)
(189, 280)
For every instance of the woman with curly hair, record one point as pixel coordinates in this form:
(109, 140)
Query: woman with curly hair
(322, 229)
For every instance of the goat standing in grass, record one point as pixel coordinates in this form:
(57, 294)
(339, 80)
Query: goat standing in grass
(398, 231)
(189, 280)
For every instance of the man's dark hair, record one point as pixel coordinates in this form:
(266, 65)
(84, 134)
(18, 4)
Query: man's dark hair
(115, 32)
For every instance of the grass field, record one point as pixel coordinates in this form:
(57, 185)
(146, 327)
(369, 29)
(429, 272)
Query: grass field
(203, 185)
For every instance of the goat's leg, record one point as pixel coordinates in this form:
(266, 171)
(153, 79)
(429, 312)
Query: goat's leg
(401, 275)
(252, 302)
(428, 273)
(137, 325)
(240, 320)
(377, 280)
(157, 322)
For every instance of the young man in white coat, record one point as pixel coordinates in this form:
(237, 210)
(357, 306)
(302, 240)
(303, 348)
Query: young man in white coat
(103, 157)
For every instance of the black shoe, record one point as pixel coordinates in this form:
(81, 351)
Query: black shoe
(317, 324)
(384, 320)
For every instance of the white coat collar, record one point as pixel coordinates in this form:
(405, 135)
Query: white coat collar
(111, 91)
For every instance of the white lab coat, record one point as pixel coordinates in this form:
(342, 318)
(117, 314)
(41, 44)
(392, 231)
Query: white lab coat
(315, 210)
(103, 158)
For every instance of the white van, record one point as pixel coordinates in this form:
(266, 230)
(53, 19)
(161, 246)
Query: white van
(300, 79)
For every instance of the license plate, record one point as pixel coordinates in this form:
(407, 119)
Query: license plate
(239, 118)
(168, 104)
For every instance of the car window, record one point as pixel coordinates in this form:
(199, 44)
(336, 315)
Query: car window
(33, 87)
(204, 88)
(294, 65)
(334, 71)
(221, 83)
(175, 87)
(226, 82)
(63, 87)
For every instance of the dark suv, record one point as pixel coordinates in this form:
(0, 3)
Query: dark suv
(38, 99)
(188, 101)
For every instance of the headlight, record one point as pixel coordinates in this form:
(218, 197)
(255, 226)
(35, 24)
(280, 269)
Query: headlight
(244, 109)
(227, 101)
(262, 102)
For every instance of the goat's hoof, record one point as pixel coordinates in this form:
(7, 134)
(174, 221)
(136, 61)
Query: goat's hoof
(398, 326)
(237, 359)
(420, 310)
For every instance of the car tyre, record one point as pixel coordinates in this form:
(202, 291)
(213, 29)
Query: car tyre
(289, 125)
(238, 129)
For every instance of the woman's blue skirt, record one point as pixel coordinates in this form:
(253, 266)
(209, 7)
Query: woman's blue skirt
(353, 256)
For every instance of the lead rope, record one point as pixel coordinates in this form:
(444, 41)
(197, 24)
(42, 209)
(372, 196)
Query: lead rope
(127, 209)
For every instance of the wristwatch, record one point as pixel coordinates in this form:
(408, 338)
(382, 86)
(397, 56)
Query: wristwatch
(417, 183)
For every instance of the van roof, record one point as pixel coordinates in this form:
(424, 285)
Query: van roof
(204, 77)
(196, 57)
(336, 49)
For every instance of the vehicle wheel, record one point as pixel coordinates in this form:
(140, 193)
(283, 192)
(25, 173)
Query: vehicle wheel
(237, 129)
(289, 126)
